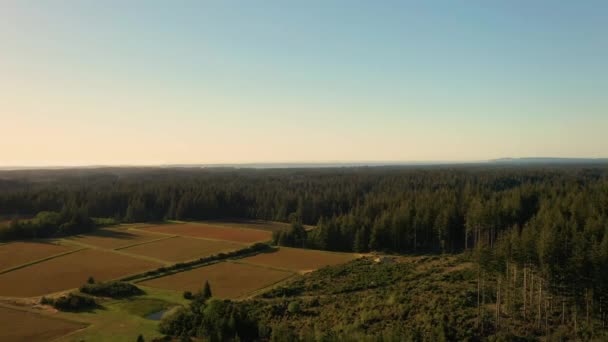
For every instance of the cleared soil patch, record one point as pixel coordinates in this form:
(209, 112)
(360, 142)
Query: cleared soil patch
(19, 253)
(214, 232)
(182, 249)
(69, 271)
(299, 259)
(115, 237)
(227, 279)
(17, 325)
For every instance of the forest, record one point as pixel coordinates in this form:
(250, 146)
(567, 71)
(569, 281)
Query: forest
(544, 225)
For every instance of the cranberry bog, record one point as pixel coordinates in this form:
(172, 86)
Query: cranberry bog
(20, 325)
(227, 279)
(214, 232)
(70, 271)
(15, 254)
(297, 259)
(182, 249)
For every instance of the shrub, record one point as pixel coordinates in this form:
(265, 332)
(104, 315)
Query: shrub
(188, 295)
(114, 289)
(73, 302)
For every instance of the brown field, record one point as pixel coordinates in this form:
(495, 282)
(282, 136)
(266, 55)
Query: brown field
(182, 249)
(112, 238)
(271, 226)
(299, 259)
(17, 325)
(227, 279)
(19, 253)
(69, 271)
(214, 232)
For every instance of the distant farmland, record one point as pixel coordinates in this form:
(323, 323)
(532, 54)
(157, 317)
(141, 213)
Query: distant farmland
(18, 253)
(69, 271)
(115, 237)
(227, 279)
(182, 248)
(203, 230)
(299, 259)
(17, 325)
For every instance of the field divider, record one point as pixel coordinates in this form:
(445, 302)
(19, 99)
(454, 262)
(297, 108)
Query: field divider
(137, 256)
(14, 268)
(238, 261)
(146, 242)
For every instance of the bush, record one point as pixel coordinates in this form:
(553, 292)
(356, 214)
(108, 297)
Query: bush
(188, 295)
(114, 289)
(73, 302)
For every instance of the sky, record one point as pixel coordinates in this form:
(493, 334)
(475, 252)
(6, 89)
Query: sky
(179, 82)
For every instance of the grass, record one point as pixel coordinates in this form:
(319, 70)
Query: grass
(123, 320)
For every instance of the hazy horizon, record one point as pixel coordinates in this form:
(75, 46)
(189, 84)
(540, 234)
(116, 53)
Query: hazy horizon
(157, 83)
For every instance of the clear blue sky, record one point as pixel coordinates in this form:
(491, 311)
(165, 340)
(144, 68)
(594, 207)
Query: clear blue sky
(148, 82)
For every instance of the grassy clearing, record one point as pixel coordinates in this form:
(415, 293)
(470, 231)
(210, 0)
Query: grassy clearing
(123, 320)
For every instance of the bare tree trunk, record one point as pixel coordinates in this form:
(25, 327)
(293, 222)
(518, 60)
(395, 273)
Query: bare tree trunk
(525, 292)
(498, 304)
(483, 301)
(540, 296)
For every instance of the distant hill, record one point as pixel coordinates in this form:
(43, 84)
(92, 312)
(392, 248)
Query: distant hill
(549, 160)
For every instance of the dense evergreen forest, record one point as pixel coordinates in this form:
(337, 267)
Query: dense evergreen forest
(547, 224)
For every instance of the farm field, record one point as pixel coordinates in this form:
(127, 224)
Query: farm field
(18, 253)
(112, 238)
(18, 325)
(272, 226)
(69, 271)
(299, 259)
(208, 231)
(182, 249)
(228, 280)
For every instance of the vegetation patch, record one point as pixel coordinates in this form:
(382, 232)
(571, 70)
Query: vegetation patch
(113, 289)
